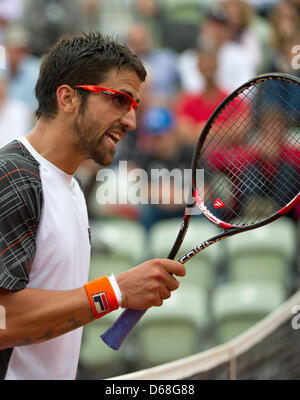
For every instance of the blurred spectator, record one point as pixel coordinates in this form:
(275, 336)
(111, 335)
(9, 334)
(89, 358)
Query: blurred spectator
(235, 65)
(47, 20)
(287, 61)
(283, 60)
(146, 8)
(271, 176)
(263, 6)
(161, 63)
(22, 66)
(240, 18)
(15, 117)
(11, 11)
(194, 109)
(296, 3)
(285, 22)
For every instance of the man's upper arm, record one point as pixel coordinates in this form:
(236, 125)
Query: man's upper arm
(20, 211)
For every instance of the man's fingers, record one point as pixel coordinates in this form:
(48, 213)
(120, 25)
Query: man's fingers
(174, 267)
(170, 281)
(149, 283)
(167, 270)
(164, 293)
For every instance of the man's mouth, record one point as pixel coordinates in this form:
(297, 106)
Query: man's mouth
(113, 137)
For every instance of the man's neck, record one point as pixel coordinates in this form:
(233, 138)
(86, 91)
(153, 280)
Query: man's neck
(50, 139)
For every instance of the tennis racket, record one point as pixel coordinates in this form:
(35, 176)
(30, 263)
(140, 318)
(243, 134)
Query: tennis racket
(250, 152)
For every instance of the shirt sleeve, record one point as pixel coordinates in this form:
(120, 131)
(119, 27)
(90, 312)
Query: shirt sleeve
(20, 211)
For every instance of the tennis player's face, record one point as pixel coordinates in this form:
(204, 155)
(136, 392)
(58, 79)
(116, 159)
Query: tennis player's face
(99, 125)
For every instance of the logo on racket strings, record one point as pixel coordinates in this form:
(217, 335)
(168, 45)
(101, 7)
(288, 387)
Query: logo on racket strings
(219, 203)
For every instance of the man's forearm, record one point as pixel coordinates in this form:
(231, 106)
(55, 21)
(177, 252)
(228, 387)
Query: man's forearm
(35, 315)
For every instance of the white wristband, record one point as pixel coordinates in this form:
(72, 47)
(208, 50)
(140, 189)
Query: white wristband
(116, 288)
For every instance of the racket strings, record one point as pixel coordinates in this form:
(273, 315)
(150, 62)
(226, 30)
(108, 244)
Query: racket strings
(286, 105)
(251, 153)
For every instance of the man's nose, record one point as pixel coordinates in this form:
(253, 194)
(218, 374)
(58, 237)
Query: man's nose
(129, 120)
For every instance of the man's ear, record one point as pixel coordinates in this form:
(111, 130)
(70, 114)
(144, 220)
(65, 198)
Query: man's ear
(67, 99)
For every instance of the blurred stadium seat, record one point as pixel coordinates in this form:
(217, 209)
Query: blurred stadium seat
(117, 245)
(102, 264)
(174, 330)
(236, 306)
(120, 237)
(266, 253)
(98, 360)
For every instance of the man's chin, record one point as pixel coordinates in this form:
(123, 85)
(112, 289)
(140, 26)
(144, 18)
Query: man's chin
(103, 161)
(105, 164)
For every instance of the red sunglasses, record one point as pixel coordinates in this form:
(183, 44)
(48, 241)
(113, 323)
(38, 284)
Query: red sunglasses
(121, 100)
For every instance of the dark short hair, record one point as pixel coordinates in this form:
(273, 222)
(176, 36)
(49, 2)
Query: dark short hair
(78, 59)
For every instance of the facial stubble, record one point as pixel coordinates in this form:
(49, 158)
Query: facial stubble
(91, 139)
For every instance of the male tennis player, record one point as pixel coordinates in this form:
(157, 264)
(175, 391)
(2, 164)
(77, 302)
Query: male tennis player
(88, 91)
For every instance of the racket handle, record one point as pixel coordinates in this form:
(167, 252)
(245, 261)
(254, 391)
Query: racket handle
(117, 333)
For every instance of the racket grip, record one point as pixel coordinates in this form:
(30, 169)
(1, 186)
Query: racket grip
(117, 333)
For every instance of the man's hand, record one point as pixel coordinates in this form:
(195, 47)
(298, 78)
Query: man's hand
(149, 283)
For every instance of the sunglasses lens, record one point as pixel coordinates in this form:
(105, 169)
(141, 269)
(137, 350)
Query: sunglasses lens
(122, 101)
